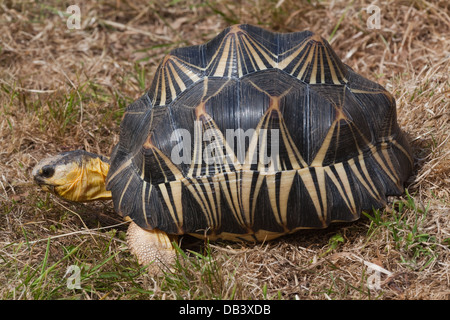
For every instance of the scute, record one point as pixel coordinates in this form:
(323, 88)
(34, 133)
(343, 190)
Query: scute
(326, 141)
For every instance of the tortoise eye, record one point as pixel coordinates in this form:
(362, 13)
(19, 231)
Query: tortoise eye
(47, 172)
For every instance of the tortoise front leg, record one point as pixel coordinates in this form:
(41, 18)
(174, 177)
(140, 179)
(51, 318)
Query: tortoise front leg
(152, 247)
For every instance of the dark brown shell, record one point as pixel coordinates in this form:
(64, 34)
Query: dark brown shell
(246, 93)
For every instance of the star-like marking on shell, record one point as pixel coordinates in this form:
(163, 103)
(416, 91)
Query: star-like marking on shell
(340, 148)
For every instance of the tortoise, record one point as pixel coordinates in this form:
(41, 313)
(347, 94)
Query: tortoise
(251, 136)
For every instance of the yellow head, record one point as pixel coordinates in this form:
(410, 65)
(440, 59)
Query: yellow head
(74, 175)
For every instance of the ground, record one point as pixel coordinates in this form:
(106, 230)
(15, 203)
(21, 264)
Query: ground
(63, 89)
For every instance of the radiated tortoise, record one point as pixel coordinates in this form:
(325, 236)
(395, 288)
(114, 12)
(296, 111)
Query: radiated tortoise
(250, 136)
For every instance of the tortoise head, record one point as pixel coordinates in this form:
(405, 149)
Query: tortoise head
(74, 175)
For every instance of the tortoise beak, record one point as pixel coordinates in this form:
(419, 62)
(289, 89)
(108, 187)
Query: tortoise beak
(37, 176)
(41, 181)
(43, 185)
(38, 180)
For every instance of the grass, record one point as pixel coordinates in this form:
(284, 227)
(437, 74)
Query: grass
(405, 226)
(66, 89)
(54, 280)
(198, 275)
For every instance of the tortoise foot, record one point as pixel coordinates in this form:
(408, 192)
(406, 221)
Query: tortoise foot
(153, 248)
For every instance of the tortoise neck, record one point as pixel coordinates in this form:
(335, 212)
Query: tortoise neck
(85, 179)
(96, 171)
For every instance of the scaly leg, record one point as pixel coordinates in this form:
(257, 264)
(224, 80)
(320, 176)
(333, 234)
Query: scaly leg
(152, 248)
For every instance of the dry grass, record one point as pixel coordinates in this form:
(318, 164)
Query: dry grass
(62, 89)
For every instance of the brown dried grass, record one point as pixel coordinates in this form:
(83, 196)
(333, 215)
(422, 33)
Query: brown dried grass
(62, 89)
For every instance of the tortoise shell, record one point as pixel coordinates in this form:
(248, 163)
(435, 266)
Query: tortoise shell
(254, 135)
